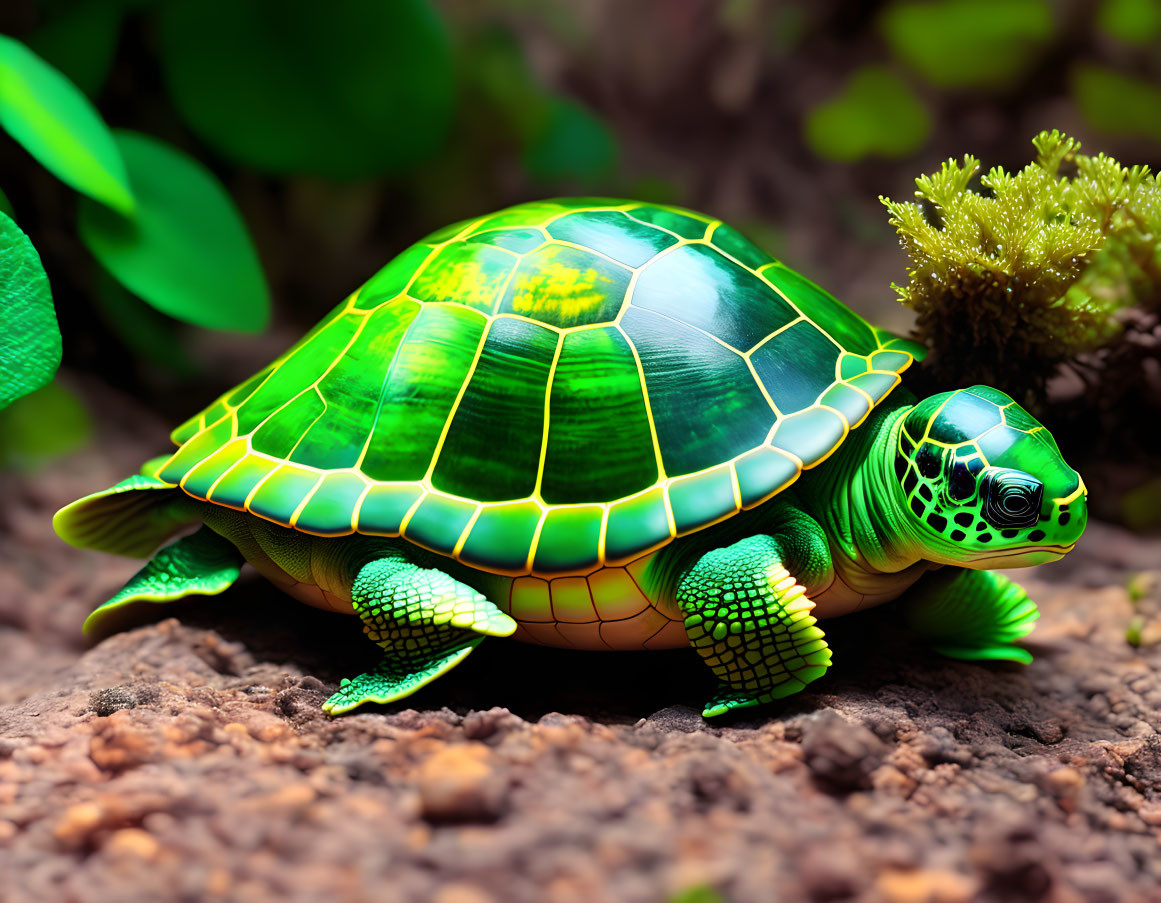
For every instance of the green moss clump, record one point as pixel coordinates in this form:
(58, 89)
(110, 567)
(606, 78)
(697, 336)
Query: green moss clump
(1013, 274)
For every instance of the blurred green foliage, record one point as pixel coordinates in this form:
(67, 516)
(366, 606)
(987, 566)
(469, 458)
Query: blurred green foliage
(968, 43)
(1135, 22)
(348, 89)
(46, 424)
(1023, 271)
(57, 124)
(154, 218)
(568, 143)
(30, 346)
(559, 140)
(80, 39)
(876, 114)
(966, 48)
(1141, 506)
(186, 251)
(1118, 104)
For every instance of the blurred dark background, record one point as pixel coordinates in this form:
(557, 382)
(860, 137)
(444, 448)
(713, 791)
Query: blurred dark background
(345, 131)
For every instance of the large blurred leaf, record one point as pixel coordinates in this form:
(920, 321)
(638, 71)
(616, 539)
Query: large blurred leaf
(187, 252)
(47, 424)
(1132, 21)
(968, 43)
(55, 122)
(80, 40)
(29, 337)
(876, 114)
(346, 89)
(570, 145)
(1118, 104)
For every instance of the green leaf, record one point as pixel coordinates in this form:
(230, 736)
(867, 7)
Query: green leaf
(29, 337)
(187, 252)
(1117, 104)
(968, 43)
(571, 145)
(47, 424)
(349, 89)
(81, 41)
(876, 114)
(6, 206)
(55, 123)
(1132, 21)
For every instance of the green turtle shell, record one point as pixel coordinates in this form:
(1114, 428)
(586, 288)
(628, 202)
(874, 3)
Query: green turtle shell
(555, 387)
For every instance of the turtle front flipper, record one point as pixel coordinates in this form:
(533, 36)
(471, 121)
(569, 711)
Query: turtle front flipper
(751, 621)
(202, 563)
(971, 615)
(424, 620)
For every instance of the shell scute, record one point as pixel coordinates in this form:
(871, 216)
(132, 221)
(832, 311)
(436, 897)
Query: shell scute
(390, 281)
(596, 383)
(796, 365)
(280, 494)
(239, 481)
(730, 241)
(687, 371)
(438, 522)
(564, 286)
(569, 540)
(330, 508)
(470, 274)
(696, 285)
(420, 388)
(700, 499)
(810, 435)
(682, 223)
(492, 447)
(831, 316)
(384, 507)
(612, 233)
(764, 472)
(502, 536)
(848, 401)
(518, 241)
(635, 522)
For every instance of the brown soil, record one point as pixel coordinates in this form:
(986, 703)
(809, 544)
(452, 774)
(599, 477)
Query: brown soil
(188, 759)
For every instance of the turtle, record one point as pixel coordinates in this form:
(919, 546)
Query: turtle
(600, 424)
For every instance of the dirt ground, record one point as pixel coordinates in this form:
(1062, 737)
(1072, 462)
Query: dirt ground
(188, 759)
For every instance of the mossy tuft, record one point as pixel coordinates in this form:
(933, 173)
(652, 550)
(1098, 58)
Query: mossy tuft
(1013, 274)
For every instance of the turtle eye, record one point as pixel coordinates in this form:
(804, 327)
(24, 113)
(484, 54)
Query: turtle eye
(1011, 498)
(961, 482)
(928, 461)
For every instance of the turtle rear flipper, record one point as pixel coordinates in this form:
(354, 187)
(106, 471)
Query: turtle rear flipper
(202, 563)
(132, 518)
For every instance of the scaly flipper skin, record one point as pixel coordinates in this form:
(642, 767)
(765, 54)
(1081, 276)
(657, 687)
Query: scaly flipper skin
(200, 564)
(425, 621)
(971, 614)
(750, 620)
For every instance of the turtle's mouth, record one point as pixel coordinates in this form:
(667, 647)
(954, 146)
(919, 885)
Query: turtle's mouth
(1026, 555)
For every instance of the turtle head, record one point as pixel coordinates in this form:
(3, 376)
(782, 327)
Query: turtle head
(985, 483)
